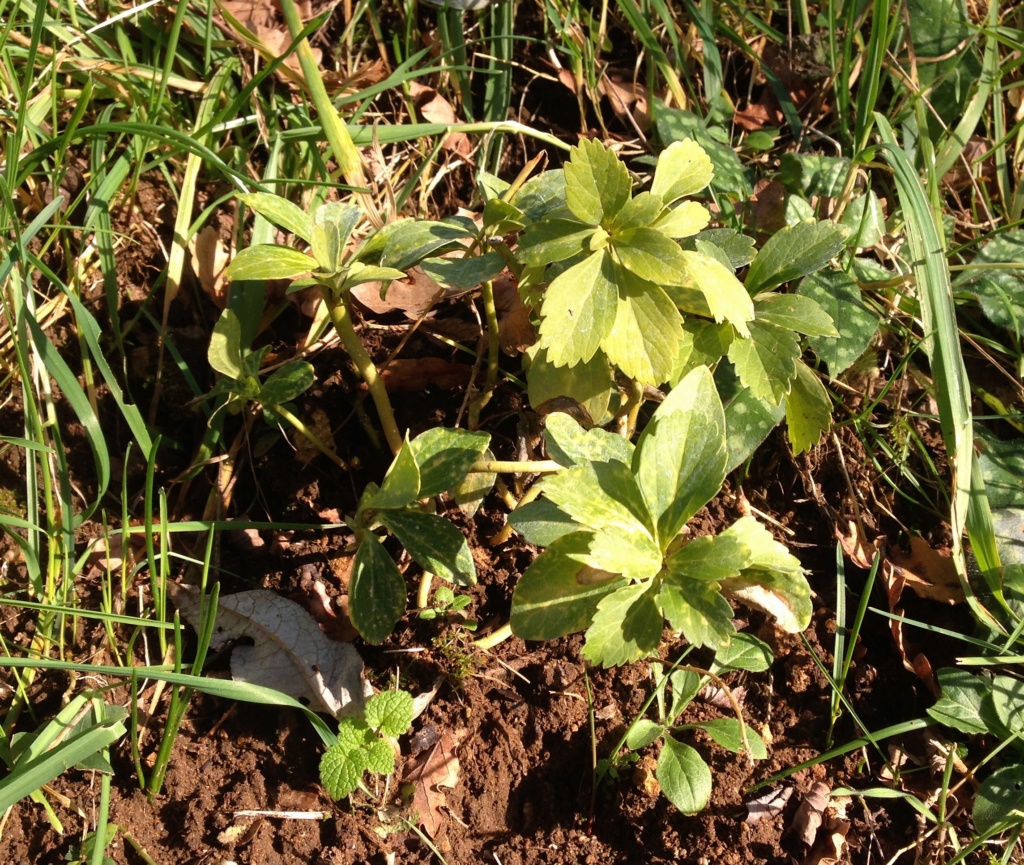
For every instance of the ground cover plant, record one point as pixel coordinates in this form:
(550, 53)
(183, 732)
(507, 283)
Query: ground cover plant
(511, 431)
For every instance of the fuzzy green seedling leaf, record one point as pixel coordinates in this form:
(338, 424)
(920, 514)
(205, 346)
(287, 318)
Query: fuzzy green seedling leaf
(698, 610)
(766, 361)
(377, 591)
(626, 626)
(684, 777)
(434, 543)
(724, 294)
(344, 763)
(597, 184)
(445, 456)
(269, 261)
(281, 212)
(680, 458)
(390, 713)
(726, 733)
(287, 383)
(225, 351)
(796, 312)
(569, 444)
(808, 410)
(556, 594)
(684, 168)
(646, 335)
(578, 310)
(644, 732)
(793, 252)
(685, 220)
(959, 705)
(401, 484)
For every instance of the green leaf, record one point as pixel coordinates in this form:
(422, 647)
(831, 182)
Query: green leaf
(698, 610)
(644, 732)
(542, 522)
(390, 713)
(342, 216)
(864, 219)
(959, 706)
(744, 652)
(839, 296)
(376, 591)
(999, 288)
(652, 256)
(225, 351)
(808, 410)
(782, 594)
(597, 184)
(358, 273)
(1002, 464)
(290, 381)
(569, 444)
(281, 212)
(556, 594)
(543, 195)
(703, 344)
(685, 686)
(269, 261)
(590, 384)
(600, 495)
(645, 338)
(579, 310)
(724, 294)
(809, 174)
(553, 240)
(380, 757)
(684, 777)
(401, 484)
(639, 212)
(626, 626)
(711, 558)
(445, 456)
(739, 248)
(343, 764)
(726, 733)
(680, 458)
(464, 273)
(685, 220)
(632, 553)
(1008, 701)
(684, 168)
(1000, 799)
(327, 247)
(434, 543)
(795, 312)
(794, 252)
(676, 124)
(406, 242)
(766, 361)
(748, 420)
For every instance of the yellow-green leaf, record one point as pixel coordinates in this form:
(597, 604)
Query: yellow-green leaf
(645, 339)
(766, 361)
(808, 410)
(683, 169)
(725, 295)
(597, 184)
(683, 221)
(579, 310)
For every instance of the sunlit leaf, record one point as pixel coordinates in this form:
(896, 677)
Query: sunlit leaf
(794, 252)
(597, 184)
(684, 168)
(626, 626)
(684, 777)
(766, 361)
(645, 338)
(269, 261)
(579, 310)
(808, 409)
(376, 591)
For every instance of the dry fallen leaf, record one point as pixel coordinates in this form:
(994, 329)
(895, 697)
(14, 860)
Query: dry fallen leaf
(413, 295)
(808, 817)
(768, 805)
(434, 108)
(405, 375)
(927, 572)
(209, 259)
(289, 653)
(436, 767)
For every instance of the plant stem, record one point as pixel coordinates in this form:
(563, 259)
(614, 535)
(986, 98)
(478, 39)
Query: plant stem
(494, 638)
(491, 312)
(342, 320)
(516, 467)
(312, 437)
(423, 592)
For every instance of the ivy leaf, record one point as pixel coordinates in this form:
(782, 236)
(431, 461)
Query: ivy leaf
(390, 713)
(600, 495)
(402, 482)
(723, 292)
(684, 168)
(793, 252)
(626, 626)
(568, 443)
(808, 410)
(686, 220)
(698, 610)
(652, 256)
(645, 338)
(766, 361)
(269, 261)
(281, 212)
(444, 457)
(579, 310)
(959, 706)
(556, 595)
(680, 458)
(435, 544)
(287, 383)
(795, 312)
(684, 777)
(376, 591)
(839, 295)
(597, 184)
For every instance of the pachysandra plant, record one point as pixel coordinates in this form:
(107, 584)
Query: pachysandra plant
(618, 563)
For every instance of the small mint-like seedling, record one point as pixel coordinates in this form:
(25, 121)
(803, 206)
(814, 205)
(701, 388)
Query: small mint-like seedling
(364, 743)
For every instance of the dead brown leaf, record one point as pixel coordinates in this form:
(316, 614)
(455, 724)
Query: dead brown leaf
(434, 108)
(413, 296)
(927, 572)
(767, 806)
(209, 259)
(628, 99)
(809, 815)
(435, 768)
(516, 332)
(412, 375)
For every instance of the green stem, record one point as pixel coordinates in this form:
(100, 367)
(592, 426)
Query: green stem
(494, 638)
(342, 320)
(493, 345)
(423, 592)
(515, 467)
(311, 437)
